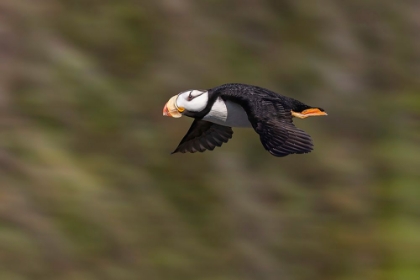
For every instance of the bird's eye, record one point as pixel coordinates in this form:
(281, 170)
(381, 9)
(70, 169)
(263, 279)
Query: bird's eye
(193, 94)
(190, 97)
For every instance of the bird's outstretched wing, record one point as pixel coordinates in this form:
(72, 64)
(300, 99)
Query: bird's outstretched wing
(204, 135)
(272, 120)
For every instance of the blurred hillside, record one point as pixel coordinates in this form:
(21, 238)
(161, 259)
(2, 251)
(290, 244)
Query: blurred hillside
(89, 190)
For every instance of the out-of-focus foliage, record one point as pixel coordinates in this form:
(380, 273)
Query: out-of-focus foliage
(89, 190)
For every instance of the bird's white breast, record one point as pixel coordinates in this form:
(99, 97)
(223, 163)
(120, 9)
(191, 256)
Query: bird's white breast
(228, 114)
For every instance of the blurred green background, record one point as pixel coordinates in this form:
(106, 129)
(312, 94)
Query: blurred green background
(89, 190)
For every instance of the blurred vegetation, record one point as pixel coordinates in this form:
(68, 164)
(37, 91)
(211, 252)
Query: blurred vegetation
(88, 187)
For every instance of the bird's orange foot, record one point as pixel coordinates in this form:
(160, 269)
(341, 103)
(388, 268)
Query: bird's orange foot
(312, 112)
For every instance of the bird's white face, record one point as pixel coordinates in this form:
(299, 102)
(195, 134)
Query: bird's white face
(190, 100)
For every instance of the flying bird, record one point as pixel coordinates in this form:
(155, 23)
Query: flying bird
(217, 110)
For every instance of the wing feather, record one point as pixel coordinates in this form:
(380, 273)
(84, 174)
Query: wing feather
(272, 120)
(202, 136)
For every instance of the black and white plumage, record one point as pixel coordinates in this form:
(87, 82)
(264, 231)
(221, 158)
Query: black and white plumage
(219, 109)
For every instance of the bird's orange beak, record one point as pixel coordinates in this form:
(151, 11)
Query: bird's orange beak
(171, 110)
(312, 112)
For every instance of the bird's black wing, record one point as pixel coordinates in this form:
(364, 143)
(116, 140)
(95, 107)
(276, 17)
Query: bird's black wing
(272, 120)
(204, 135)
(277, 133)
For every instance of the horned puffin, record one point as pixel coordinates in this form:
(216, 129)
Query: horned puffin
(217, 110)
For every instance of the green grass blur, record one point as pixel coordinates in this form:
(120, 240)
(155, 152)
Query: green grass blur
(89, 190)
